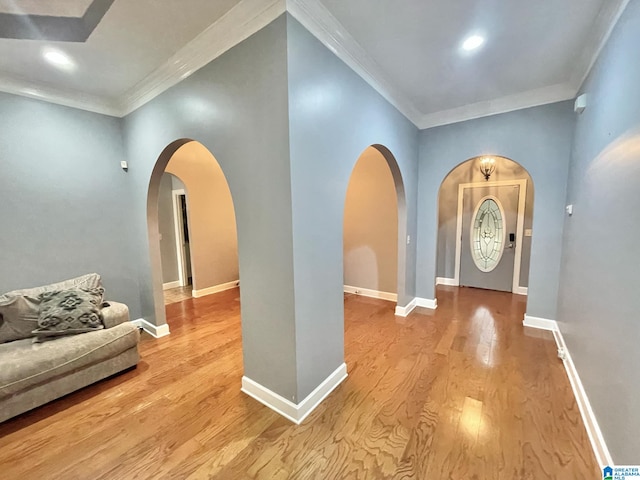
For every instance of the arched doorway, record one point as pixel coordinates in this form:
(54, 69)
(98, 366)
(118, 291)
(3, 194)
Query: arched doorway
(212, 237)
(485, 225)
(374, 227)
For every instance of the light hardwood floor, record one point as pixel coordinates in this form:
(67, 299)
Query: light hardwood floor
(178, 294)
(464, 392)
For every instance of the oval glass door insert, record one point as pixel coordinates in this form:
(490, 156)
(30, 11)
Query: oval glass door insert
(487, 234)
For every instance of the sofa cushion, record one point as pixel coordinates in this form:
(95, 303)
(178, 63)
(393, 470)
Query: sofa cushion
(20, 309)
(114, 313)
(68, 312)
(24, 364)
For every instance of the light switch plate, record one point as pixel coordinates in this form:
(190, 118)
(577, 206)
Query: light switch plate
(528, 232)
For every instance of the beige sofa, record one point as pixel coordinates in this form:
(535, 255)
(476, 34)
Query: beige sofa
(32, 374)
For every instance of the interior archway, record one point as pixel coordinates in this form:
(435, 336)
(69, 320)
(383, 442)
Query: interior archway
(455, 230)
(213, 245)
(374, 227)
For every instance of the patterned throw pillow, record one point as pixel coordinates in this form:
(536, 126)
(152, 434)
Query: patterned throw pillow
(67, 312)
(20, 309)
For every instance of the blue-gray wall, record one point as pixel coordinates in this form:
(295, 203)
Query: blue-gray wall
(537, 138)
(166, 229)
(599, 295)
(236, 107)
(334, 116)
(287, 121)
(64, 199)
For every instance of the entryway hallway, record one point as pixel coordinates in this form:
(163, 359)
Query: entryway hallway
(462, 392)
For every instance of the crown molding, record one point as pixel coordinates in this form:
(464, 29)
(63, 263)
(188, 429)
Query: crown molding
(26, 88)
(509, 103)
(333, 35)
(605, 22)
(249, 16)
(239, 23)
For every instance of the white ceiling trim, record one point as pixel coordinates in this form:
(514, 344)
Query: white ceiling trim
(509, 103)
(26, 88)
(604, 24)
(326, 28)
(239, 23)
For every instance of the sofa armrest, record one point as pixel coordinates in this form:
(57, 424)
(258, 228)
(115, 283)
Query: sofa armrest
(115, 314)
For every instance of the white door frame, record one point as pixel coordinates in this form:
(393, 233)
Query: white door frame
(522, 198)
(178, 226)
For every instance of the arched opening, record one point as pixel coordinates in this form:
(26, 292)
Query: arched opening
(485, 226)
(192, 227)
(374, 227)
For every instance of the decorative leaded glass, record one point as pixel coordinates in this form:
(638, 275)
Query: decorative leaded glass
(487, 234)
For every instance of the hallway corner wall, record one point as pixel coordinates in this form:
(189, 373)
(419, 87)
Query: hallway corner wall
(334, 115)
(65, 199)
(599, 301)
(236, 106)
(166, 227)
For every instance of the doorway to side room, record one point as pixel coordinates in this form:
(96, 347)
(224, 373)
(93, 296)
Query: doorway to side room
(196, 226)
(374, 224)
(173, 226)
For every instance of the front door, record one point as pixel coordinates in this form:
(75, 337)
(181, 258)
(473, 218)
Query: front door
(489, 220)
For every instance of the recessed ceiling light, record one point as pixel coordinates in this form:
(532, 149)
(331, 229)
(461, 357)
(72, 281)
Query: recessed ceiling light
(58, 58)
(473, 42)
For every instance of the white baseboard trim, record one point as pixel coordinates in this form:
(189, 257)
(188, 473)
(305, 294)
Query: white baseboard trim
(452, 282)
(416, 302)
(153, 330)
(291, 411)
(431, 303)
(540, 323)
(521, 291)
(170, 285)
(365, 292)
(215, 289)
(599, 446)
(406, 310)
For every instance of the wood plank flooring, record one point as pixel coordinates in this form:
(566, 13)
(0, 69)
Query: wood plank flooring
(463, 392)
(178, 294)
